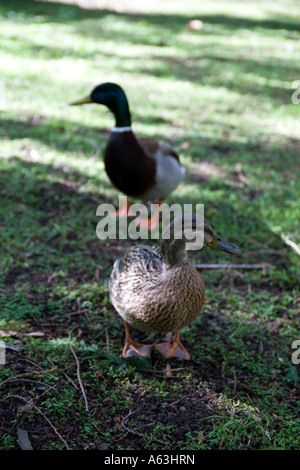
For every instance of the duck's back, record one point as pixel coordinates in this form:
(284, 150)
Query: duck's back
(137, 267)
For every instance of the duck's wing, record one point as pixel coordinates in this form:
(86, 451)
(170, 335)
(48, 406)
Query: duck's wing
(138, 260)
(137, 270)
(153, 147)
(169, 171)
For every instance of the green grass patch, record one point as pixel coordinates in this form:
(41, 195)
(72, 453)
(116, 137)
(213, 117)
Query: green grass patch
(222, 96)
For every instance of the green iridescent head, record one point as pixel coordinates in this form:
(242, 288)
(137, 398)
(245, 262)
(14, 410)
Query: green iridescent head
(113, 97)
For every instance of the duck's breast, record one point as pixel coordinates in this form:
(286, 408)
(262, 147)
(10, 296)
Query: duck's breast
(127, 165)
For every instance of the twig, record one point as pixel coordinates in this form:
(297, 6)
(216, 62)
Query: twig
(176, 401)
(136, 432)
(29, 381)
(77, 312)
(126, 419)
(44, 416)
(235, 380)
(163, 371)
(18, 334)
(83, 418)
(17, 377)
(78, 376)
(234, 266)
(294, 245)
(69, 378)
(196, 398)
(241, 176)
(221, 442)
(107, 340)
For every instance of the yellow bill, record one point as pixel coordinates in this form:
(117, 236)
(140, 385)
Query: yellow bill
(85, 100)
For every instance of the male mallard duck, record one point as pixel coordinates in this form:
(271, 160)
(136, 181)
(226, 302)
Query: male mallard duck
(141, 168)
(158, 290)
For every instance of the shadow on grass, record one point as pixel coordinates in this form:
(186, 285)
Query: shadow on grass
(243, 76)
(82, 139)
(202, 63)
(49, 222)
(58, 221)
(47, 228)
(61, 12)
(63, 136)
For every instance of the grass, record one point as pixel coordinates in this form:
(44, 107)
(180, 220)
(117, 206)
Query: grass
(222, 96)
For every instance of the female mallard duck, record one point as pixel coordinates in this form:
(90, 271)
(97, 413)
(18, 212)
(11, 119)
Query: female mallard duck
(139, 167)
(158, 290)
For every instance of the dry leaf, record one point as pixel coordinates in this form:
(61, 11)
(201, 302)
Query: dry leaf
(35, 333)
(201, 437)
(18, 334)
(4, 333)
(185, 145)
(168, 371)
(195, 25)
(117, 421)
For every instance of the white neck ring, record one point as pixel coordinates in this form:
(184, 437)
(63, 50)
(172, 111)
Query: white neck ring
(121, 129)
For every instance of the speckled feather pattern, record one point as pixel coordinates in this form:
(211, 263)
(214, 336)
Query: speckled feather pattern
(151, 296)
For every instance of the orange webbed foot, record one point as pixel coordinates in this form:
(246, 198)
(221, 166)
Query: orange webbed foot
(133, 348)
(173, 348)
(136, 349)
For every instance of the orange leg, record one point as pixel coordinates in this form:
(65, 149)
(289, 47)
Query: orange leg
(132, 348)
(152, 222)
(123, 212)
(173, 348)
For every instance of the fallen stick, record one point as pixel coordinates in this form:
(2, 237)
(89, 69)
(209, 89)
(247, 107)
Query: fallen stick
(44, 416)
(294, 245)
(78, 375)
(234, 266)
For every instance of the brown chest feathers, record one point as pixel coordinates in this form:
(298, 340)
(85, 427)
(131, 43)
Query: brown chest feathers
(172, 300)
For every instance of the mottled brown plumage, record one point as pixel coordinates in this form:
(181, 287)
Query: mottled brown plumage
(158, 290)
(141, 274)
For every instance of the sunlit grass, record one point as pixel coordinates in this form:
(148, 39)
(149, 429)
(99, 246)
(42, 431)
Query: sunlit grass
(222, 96)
